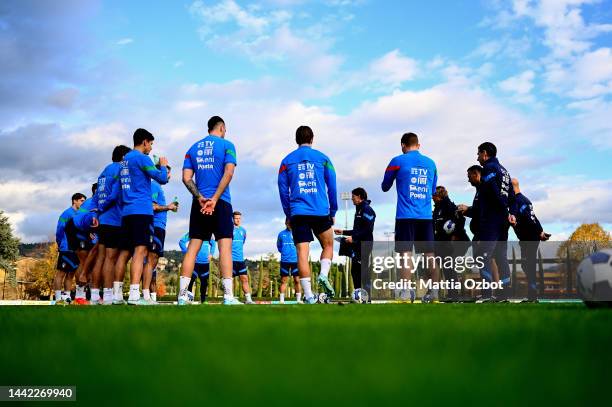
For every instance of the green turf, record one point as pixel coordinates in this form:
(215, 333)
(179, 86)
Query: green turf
(456, 354)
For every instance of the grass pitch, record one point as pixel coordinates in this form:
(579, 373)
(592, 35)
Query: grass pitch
(393, 354)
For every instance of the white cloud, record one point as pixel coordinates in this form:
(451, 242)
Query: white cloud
(521, 84)
(393, 68)
(103, 136)
(268, 37)
(125, 41)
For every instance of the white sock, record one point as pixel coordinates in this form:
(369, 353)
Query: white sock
(183, 284)
(80, 291)
(58, 295)
(434, 292)
(298, 296)
(228, 288)
(247, 296)
(305, 282)
(146, 294)
(282, 297)
(134, 292)
(154, 296)
(107, 296)
(65, 295)
(118, 290)
(95, 294)
(325, 266)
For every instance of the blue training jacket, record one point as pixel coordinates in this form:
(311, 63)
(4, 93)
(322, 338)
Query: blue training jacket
(109, 188)
(415, 177)
(286, 246)
(137, 170)
(307, 183)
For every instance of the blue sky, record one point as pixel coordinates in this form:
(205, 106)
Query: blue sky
(534, 77)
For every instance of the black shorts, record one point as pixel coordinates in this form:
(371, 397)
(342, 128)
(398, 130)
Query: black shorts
(109, 236)
(67, 262)
(159, 237)
(288, 269)
(202, 270)
(303, 226)
(240, 269)
(220, 223)
(417, 232)
(137, 230)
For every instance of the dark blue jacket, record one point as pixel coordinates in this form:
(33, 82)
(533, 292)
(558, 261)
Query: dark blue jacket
(528, 227)
(496, 196)
(444, 211)
(363, 224)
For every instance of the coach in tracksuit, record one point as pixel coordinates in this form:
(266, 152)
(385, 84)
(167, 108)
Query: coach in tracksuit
(361, 236)
(529, 232)
(496, 200)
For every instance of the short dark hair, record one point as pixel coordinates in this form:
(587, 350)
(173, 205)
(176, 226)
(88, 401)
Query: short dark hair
(140, 135)
(360, 192)
(119, 152)
(475, 168)
(78, 196)
(489, 148)
(94, 188)
(304, 135)
(213, 121)
(410, 139)
(236, 213)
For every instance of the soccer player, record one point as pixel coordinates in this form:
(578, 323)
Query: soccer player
(80, 232)
(137, 171)
(238, 265)
(160, 218)
(288, 263)
(444, 215)
(496, 203)
(212, 160)
(307, 189)
(530, 232)
(416, 177)
(361, 237)
(67, 260)
(109, 231)
(202, 264)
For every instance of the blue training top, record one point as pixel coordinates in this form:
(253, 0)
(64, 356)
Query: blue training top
(157, 193)
(286, 247)
(109, 188)
(207, 248)
(207, 158)
(84, 216)
(60, 230)
(307, 183)
(416, 177)
(240, 235)
(137, 170)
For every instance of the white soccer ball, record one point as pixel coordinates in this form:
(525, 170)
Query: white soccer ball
(449, 227)
(594, 278)
(360, 296)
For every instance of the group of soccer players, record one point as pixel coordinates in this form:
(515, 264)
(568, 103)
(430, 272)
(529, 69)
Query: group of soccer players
(127, 214)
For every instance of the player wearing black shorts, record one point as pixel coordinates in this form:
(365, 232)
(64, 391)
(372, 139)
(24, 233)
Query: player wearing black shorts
(415, 176)
(288, 263)
(67, 260)
(212, 161)
(307, 189)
